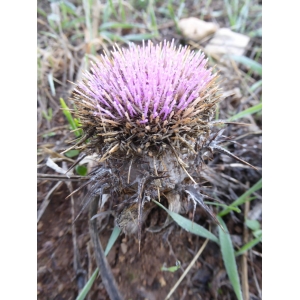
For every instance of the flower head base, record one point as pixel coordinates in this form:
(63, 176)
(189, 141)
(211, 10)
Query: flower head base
(146, 91)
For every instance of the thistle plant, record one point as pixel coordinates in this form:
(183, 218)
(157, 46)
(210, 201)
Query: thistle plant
(147, 112)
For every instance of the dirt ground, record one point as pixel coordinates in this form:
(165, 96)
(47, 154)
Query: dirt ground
(137, 274)
(65, 254)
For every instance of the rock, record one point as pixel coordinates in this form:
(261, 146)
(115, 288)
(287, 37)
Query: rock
(226, 41)
(196, 29)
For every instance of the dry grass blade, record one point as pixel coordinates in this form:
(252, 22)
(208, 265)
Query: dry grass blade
(226, 152)
(187, 270)
(105, 271)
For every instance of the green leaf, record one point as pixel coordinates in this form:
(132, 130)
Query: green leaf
(173, 268)
(113, 237)
(72, 153)
(257, 233)
(188, 225)
(49, 134)
(252, 224)
(81, 170)
(249, 63)
(249, 245)
(249, 111)
(229, 259)
(242, 199)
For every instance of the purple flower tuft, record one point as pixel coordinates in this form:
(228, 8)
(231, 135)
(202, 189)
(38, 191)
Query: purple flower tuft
(143, 83)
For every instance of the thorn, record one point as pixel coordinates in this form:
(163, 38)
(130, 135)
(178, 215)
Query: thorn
(78, 189)
(226, 152)
(237, 123)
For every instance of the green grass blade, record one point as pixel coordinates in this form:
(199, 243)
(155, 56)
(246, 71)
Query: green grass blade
(139, 36)
(229, 260)
(42, 12)
(242, 199)
(69, 117)
(74, 23)
(151, 13)
(115, 25)
(87, 286)
(249, 111)
(256, 85)
(112, 7)
(113, 237)
(249, 63)
(248, 246)
(112, 37)
(189, 226)
(236, 209)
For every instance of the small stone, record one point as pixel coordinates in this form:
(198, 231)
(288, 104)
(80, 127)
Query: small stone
(48, 245)
(226, 41)
(60, 287)
(162, 281)
(196, 29)
(123, 248)
(40, 226)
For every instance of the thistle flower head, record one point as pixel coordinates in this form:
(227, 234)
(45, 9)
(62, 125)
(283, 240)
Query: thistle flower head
(146, 90)
(147, 111)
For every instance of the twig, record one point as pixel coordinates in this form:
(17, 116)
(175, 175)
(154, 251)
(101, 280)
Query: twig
(55, 177)
(102, 264)
(53, 130)
(187, 270)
